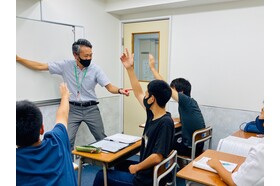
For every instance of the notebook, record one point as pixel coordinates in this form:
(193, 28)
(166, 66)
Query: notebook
(238, 146)
(116, 142)
(202, 164)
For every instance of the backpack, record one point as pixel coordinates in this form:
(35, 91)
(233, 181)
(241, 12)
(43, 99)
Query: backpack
(253, 126)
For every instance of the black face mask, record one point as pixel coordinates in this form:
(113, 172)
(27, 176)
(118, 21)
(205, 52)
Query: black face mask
(85, 62)
(145, 101)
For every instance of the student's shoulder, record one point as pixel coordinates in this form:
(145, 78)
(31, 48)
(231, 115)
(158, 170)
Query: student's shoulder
(168, 119)
(60, 127)
(167, 116)
(58, 130)
(183, 98)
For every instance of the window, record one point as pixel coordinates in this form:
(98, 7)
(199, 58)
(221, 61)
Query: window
(143, 45)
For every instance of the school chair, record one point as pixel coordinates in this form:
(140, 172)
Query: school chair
(201, 135)
(166, 166)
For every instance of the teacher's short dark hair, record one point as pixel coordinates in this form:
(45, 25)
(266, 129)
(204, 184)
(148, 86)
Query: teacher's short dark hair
(81, 42)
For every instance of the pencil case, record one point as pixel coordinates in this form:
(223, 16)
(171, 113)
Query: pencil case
(87, 148)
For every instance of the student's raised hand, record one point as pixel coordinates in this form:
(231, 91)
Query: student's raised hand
(151, 62)
(64, 91)
(17, 58)
(127, 59)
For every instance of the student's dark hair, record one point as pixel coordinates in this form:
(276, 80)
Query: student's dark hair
(77, 45)
(182, 85)
(161, 91)
(29, 121)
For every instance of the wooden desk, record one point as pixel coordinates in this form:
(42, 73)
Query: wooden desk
(242, 134)
(106, 160)
(177, 125)
(205, 177)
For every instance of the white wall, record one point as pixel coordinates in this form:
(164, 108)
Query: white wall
(221, 53)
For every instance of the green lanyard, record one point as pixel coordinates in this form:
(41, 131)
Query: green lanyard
(77, 79)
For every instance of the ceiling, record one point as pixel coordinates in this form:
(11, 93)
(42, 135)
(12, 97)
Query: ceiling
(123, 7)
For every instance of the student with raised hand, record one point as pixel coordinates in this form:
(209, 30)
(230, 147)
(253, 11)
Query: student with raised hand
(189, 111)
(251, 171)
(158, 135)
(47, 161)
(81, 76)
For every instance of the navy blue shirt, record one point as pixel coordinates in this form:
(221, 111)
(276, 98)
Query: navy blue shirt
(190, 117)
(49, 163)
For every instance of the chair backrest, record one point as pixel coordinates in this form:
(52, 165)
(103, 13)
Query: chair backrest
(199, 136)
(165, 167)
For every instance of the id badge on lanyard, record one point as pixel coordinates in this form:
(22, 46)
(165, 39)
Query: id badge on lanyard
(78, 97)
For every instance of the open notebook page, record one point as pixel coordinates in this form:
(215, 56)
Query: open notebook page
(110, 146)
(123, 138)
(202, 164)
(238, 146)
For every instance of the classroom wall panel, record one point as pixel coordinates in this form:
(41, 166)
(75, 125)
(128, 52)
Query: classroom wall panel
(224, 121)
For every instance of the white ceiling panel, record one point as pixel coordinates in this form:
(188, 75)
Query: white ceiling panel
(122, 7)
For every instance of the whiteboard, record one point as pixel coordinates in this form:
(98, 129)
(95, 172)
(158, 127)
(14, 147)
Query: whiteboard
(42, 42)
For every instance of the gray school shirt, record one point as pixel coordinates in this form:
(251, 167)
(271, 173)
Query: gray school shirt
(87, 79)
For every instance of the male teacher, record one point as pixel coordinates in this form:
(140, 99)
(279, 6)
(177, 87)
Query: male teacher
(81, 77)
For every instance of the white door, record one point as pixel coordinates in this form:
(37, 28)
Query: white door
(142, 38)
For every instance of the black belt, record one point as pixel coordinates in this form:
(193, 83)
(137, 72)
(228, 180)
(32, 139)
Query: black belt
(84, 104)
